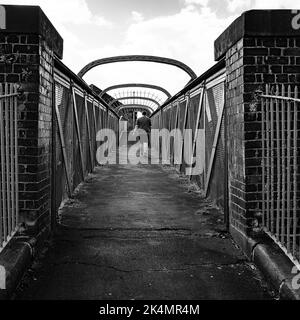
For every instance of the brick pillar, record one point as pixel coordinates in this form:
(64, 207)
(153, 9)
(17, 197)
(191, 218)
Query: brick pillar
(28, 43)
(260, 47)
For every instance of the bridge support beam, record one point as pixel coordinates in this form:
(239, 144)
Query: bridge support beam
(28, 43)
(260, 47)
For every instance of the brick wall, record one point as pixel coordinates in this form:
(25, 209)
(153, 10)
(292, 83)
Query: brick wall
(254, 57)
(252, 63)
(27, 58)
(235, 129)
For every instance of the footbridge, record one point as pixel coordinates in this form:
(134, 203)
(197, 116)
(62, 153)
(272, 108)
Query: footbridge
(217, 187)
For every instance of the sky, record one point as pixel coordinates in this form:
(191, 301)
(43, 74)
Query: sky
(180, 29)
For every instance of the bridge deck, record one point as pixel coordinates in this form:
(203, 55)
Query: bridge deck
(138, 232)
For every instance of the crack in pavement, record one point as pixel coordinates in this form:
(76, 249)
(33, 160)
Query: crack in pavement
(190, 266)
(63, 226)
(179, 233)
(142, 237)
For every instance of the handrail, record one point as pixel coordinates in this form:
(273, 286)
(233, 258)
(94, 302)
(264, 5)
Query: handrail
(288, 99)
(69, 73)
(214, 69)
(9, 95)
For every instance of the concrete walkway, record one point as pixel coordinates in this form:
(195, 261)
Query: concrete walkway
(139, 232)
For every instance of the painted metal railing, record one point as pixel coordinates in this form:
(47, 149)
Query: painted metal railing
(201, 109)
(9, 210)
(280, 163)
(79, 115)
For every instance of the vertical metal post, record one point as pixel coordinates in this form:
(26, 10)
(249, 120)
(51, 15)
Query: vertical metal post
(278, 189)
(95, 128)
(170, 118)
(205, 105)
(101, 118)
(16, 160)
(63, 146)
(2, 180)
(268, 158)
(176, 116)
(107, 120)
(7, 153)
(288, 169)
(295, 220)
(184, 126)
(78, 130)
(213, 151)
(160, 118)
(94, 116)
(283, 147)
(174, 154)
(12, 160)
(88, 130)
(263, 160)
(272, 163)
(199, 110)
(133, 119)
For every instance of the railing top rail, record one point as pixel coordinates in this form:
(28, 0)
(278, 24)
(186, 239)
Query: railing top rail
(9, 95)
(289, 99)
(60, 66)
(193, 84)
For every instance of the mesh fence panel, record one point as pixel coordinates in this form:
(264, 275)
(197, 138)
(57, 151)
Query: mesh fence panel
(181, 113)
(90, 120)
(212, 106)
(64, 104)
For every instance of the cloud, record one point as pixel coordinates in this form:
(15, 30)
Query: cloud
(238, 5)
(137, 16)
(275, 4)
(178, 36)
(203, 3)
(73, 20)
(62, 12)
(187, 35)
(227, 8)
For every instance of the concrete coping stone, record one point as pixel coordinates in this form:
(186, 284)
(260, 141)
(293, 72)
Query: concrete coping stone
(255, 23)
(20, 19)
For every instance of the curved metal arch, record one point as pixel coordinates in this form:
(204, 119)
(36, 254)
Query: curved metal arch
(142, 85)
(134, 97)
(132, 58)
(135, 106)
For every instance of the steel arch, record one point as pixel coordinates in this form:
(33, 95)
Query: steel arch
(132, 58)
(134, 97)
(142, 85)
(135, 106)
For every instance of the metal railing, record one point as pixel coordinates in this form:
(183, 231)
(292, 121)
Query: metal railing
(9, 209)
(79, 115)
(280, 162)
(201, 109)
